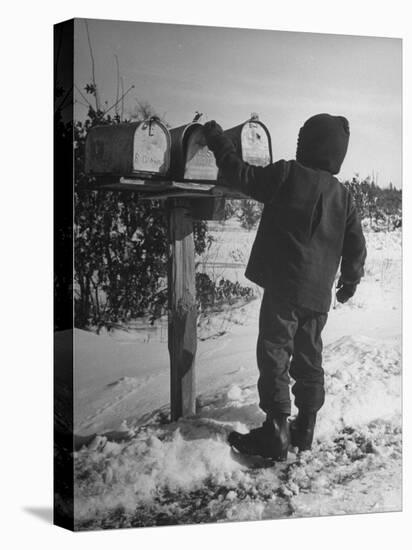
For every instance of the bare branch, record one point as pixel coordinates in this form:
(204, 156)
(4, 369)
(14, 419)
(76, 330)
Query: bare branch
(93, 71)
(117, 84)
(121, 99)
(143, 111)
(58, 51)
(81, 103)
(84, 97)
(66, 95)
(122, 88)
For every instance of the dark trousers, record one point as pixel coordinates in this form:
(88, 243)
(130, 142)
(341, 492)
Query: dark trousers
(289, 342)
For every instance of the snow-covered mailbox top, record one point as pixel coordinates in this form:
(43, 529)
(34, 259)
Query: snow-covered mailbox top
(130, 149)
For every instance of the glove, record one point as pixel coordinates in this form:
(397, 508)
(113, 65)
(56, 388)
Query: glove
(345, 291)
(212, 131)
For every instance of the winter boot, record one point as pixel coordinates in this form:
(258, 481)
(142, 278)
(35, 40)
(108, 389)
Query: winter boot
(302, 429)
(271, 440)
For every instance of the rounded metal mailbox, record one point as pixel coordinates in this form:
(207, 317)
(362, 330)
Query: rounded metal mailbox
(191, 158)
(252, 142)
(133, 148)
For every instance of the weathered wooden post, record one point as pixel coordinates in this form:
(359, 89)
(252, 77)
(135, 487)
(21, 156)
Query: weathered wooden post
(182, 314)
(191, 161)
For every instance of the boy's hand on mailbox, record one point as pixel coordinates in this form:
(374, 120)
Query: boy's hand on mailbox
(345, 291)
(217, 141)
(212, 130)
(258, 182)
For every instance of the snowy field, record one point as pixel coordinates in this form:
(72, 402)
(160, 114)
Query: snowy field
(133, 468)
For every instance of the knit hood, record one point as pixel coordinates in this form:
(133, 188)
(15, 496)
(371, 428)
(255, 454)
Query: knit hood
(323, 142)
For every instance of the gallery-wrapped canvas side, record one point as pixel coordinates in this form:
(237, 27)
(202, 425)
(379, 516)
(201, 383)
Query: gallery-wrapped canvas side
(63, 274)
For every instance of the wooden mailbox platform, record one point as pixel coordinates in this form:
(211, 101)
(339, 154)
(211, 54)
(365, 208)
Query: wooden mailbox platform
(177, 167)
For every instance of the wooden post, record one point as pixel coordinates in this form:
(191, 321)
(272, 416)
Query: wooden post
(182, 339)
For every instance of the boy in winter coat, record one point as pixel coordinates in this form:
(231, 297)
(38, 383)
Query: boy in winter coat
(309, 226)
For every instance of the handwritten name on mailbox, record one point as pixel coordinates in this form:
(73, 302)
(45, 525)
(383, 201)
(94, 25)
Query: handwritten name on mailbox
(130, 148)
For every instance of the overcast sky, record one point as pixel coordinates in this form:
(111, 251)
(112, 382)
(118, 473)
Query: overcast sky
(229, 73)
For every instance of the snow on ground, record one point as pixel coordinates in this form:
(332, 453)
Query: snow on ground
(134, 468)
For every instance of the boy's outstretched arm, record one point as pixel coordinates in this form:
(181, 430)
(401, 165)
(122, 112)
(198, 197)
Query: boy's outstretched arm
(353, 255)
(259, 183)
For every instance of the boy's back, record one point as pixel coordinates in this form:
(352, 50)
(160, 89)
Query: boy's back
(309, 222)
(301, 235)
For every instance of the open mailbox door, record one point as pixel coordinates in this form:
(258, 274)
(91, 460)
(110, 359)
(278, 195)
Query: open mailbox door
(131, 150)
(192, 160)
(193, 166)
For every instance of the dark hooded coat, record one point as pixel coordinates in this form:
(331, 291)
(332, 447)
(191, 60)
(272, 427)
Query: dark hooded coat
(309, 222)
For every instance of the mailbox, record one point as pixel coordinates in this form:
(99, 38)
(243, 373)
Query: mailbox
(194, 163)
(129, 149)
(191, 159)
(252, 142)
(147, 158)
